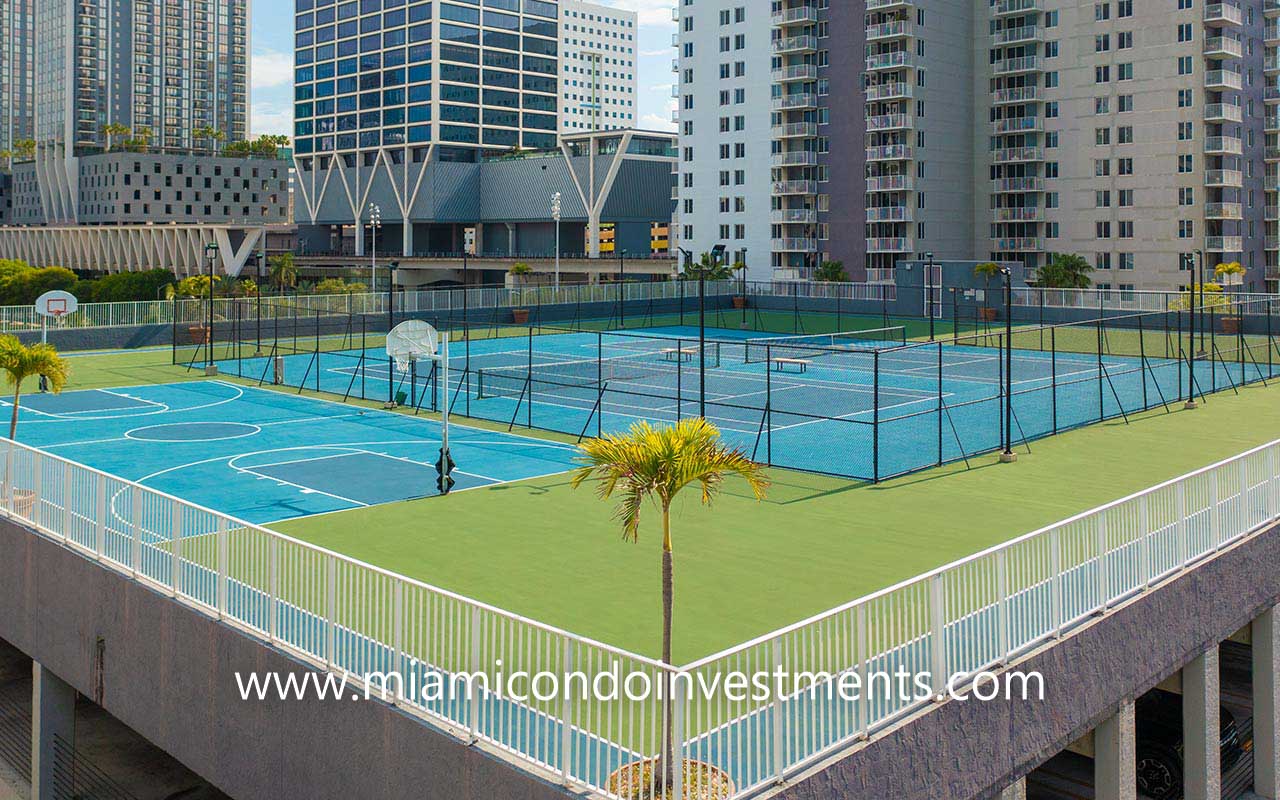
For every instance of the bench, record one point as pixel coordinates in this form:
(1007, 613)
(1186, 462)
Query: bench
(801, 364)
(679, 353)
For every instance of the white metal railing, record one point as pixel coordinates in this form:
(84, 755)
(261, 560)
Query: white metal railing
(344, 615)
(1117, 299)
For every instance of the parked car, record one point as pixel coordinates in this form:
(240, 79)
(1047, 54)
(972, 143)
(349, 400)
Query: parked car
(1160, 748)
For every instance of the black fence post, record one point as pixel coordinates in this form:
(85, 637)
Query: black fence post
(941, 403)
(679, 380)
(1053, 369)
(529, 398)
(875, 417)
(1102, 408)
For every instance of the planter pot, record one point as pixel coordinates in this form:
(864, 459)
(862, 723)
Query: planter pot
(520, 316)
(199, 334)
(24, 503)
(987, 314)
(701, 781)
(1231, 325)
(739, 303)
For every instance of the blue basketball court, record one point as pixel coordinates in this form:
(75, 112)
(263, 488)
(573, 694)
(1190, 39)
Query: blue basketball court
(262, 455)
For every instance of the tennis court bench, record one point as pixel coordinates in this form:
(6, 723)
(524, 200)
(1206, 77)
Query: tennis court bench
(679, 353)
(800, 364)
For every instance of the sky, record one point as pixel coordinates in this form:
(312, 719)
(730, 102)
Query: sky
(273, 64)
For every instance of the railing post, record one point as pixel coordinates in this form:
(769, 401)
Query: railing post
(1002, 589)
(938, 634)
(566, 710)
(1184, 529)
(175, 535)
(473, 688)
(397, 639)
(66, 500)
(273, 602)
(1272, 480)
(135, 520)
(1144, 524)
(861, 645)
(100, 515)
(678, 702)
(777, 731)
(222, 567)
(1104, 579)
(1055, 583)
(1215, 512)
(331, 609)
(37, 488)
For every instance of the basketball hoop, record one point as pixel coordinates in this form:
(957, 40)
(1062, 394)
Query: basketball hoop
(54, 305)
(411, 341)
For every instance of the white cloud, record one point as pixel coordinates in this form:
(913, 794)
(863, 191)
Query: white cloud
(272, 69)
(649, 12)
(271, 118)
(656, 122)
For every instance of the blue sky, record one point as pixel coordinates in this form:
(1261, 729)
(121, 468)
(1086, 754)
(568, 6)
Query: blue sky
(273, 63)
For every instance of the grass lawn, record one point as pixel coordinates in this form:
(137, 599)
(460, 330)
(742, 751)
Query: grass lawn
(102, 370)
(541, 549)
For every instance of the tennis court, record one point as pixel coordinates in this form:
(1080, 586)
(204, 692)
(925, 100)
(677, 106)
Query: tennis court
(863, 404)
(262, 455)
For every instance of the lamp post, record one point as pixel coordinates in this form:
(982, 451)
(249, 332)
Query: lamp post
(928, 282)
(1201, 324)
(1008, 456)
(210, 252)
(555, 214)
(1189, 263)
(742, 286)
(375, 222)
(622, 282)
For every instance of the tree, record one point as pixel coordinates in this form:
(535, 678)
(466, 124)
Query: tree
(20, 362)
(7, 157)
(112, 130)
(657, 463)
(194, 286)
(24, 149)
(283, 271)
(210, 135)
(987, 270)
(708, 267)
(831, 272)
(1065, 271)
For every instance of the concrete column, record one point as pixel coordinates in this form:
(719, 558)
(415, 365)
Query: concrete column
(1201, 728)
(593, 237)
(53, 713)
(408, 238)
(360, 238)
(1017, 791)
(1115, 759)
(511, 238)
(1266, 705)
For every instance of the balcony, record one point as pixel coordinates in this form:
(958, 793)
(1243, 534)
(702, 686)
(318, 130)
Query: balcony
(1018, 185)
(889, 183)
(794, 216)
(1224, 244)
(889, 152)
(1021, 94)
(1020, 214)
(888, 122)
(1223, 80)
(790, 102)
(1223, 178)
(797, 15)
(1223, 112)
(1014, 155)
(1223, 14)
(881, 275)
(1271, 154)
(1271, 64)
(1013, 66)
(1271, 34)
(1223, 146)
(1271, 123)
(1271, 8)
(1024, 244)
(1223, 211)
(1223, 47)
(1017, 125)
(796, 158)
(791, 45)
(795, 187)
(887, 31)
(803, 245)
(795, 72)
(899, 59)
(897, 90)
(888, 5)
(1006, 7)
(888, 214)
(795, 130)
(1018, 35)
(889, 245)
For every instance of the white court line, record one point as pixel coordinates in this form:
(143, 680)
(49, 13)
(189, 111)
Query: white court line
(165, 409)
(855, 413)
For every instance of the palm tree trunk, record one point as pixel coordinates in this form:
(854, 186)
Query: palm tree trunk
(13, 421)
(668, 601)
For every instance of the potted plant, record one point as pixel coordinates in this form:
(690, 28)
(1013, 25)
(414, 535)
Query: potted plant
(1229, 274)
(520, 272)
(740, 299)
(987, 270)
(656, 464)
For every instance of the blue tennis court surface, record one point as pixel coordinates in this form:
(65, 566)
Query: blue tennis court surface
(866, 410)
(262, 455)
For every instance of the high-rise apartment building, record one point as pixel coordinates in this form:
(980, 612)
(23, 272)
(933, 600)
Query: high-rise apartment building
(598, 67)
(374, 75)
(1011, 130)
(162, 70)
(17, 79)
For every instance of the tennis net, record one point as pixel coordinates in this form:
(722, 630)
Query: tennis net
(661, 366)
(825, 344)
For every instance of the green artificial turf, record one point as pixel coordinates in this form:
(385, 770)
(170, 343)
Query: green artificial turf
(543, 550)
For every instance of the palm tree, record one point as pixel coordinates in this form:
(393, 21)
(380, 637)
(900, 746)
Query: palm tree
(24, 149)
(20, 362)
(831, 272)
(284, 273)
(7, 157)
(1065, 271)
(113, 129)
(657, 464)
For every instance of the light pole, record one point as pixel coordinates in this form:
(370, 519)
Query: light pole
(742, 284)
(1008, 456)
(375, 222)
(210, 252)
(262, 263)
(928, 282)
(1201, 325)
(555, 214)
